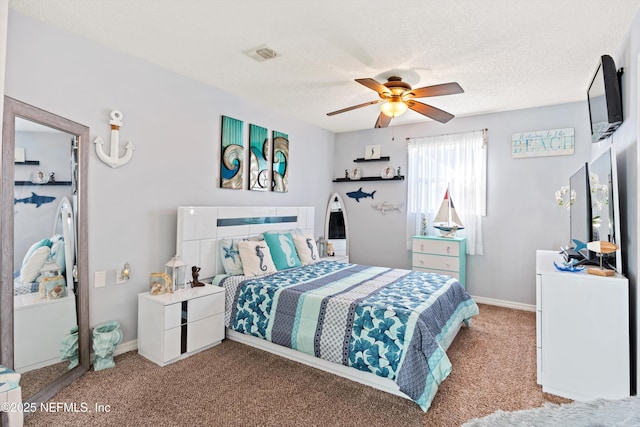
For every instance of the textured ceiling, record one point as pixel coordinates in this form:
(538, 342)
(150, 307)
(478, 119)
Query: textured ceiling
(506, 54)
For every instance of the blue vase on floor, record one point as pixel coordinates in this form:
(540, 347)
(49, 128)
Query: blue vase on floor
(106, 336)
(69, 348)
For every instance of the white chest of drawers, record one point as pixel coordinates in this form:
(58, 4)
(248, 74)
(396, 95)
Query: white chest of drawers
(442, 255)
(174, 326)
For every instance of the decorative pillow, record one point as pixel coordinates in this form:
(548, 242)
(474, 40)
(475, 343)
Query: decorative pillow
(230, 256)
(283, 250)
(57, 252)
(33, 248)
(306, 248)
(256, 258)
(31, 269)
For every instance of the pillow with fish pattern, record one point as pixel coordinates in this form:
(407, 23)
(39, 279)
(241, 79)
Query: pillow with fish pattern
(256, 258)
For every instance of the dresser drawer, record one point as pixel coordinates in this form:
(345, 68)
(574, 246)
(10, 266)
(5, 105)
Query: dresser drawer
(437, 262)
(202, 307)
(453, 274)
(438, 247)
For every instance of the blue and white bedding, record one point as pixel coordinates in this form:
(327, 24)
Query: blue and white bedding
(391, 322)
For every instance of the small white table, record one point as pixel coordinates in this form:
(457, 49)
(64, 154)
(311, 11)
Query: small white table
(175, 326)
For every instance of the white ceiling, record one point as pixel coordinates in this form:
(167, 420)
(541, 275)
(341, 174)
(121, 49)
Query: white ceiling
(506, 54)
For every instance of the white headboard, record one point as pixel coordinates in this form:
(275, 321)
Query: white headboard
(200, 228)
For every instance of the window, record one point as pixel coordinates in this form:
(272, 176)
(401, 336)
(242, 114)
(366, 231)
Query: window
(455, 161)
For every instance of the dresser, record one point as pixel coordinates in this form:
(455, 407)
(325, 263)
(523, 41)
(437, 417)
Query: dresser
(442, 255)
(174, 326)
(582, 325)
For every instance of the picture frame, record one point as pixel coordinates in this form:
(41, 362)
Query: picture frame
(372, 152)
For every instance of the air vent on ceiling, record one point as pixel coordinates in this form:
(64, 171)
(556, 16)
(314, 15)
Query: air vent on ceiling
(262, 53)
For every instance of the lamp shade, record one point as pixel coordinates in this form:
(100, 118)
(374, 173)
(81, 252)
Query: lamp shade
(393, 108)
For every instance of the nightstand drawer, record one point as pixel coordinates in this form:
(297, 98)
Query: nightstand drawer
(202, 307)
(437, 247)
(437, 262)
(205, 332)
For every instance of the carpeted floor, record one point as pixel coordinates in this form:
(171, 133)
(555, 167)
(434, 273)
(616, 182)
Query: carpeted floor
(494, 368)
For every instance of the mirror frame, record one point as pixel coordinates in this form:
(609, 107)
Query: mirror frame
(12, 109)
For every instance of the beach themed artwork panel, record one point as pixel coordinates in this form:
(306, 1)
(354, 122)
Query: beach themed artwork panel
(280, 162)
(232, 153)
(259, 158)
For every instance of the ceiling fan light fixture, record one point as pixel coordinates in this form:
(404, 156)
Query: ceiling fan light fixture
(393, 108)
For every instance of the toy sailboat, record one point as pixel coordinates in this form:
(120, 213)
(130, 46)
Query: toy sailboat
(447, 220)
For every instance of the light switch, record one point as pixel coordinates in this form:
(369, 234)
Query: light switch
(99, 279)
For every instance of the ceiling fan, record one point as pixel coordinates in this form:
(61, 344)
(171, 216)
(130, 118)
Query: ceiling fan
(397, 96)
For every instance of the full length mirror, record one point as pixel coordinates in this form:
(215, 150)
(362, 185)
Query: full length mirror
(44, 295)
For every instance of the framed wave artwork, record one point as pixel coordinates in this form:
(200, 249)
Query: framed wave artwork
(258, 158)
(280, 162)
(232, 153)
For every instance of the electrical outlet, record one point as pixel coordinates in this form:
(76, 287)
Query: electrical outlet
(100, 279)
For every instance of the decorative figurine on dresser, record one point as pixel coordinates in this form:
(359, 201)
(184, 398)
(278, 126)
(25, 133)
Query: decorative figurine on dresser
(195, 272)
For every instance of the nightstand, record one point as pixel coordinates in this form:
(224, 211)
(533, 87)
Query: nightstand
(175, 326)
(336, 258)
(442, 255)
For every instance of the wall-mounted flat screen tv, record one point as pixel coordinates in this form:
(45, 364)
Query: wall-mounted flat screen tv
(605, 100)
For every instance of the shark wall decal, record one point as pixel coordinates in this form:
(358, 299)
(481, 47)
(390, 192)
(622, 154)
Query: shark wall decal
(34, 199)
(360, 194)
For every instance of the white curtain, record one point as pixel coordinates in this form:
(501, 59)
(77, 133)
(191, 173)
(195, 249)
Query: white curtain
(458, 161)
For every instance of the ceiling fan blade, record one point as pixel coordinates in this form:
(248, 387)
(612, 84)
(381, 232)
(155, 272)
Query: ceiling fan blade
(372, 84)
(436, 90)
(383, 121)
(333, 113)
(431, 112)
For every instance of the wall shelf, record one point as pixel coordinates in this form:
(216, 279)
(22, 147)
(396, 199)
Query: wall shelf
(370, 178)
(29, 162)
(48, 183)
(381, 159)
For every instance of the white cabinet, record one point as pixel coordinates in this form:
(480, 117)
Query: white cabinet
(336, 258)
(442, 255)
(174, 326)
(582, 325)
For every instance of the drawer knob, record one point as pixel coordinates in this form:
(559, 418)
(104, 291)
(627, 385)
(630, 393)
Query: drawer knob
(422, 246)
(448, 249)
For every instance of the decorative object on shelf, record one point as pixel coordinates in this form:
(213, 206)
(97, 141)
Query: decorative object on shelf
(387, 173)
(569, 266)
(160, 283)
(423, 224)
(232, 153)
(69, 348)
(385, 207)
(52, 177)
(52, 284)
(360, 194)
(600, 248)
(560, 197)
(372, 152)
(356, 174)
(176, 269)
(321, 244)
(106, 337)
(39, 177)
(447, 220)
(113, 159)
(280, 162)
(125, 272)
(398, 171)
(195, 272)
(259, 148)
(34, 199)
(542, 143)
(346, 174)
(330, 250)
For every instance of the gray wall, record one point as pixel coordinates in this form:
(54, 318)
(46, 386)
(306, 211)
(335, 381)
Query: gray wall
(522, 214)
(174, 123)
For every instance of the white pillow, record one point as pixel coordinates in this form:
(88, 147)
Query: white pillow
(230, 256)
(256, 258)
(306, 248)
(31, 269)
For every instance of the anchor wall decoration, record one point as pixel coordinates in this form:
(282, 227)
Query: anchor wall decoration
(113, 159)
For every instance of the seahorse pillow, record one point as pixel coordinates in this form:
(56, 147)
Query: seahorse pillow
(256, 258)
(306, 248)
(283, 250)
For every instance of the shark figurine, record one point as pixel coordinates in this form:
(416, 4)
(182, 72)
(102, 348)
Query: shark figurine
(34, 199)
(385, 207)
(360, 194)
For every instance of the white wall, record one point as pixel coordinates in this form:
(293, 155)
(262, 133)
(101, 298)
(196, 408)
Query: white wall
(174, 123)
(522, 214)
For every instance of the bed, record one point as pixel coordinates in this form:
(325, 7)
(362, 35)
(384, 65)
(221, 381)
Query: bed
(387, 328)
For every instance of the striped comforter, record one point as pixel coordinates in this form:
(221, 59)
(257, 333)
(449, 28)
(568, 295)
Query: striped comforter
(391, 322)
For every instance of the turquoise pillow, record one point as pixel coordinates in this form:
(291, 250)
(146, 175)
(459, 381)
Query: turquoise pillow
(283, 250)
(33, 248)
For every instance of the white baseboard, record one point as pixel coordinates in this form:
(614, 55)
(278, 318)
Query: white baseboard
(125, 347)
(507, 304)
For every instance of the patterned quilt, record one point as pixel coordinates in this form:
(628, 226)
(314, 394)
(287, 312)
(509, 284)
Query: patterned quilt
(391, 322)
